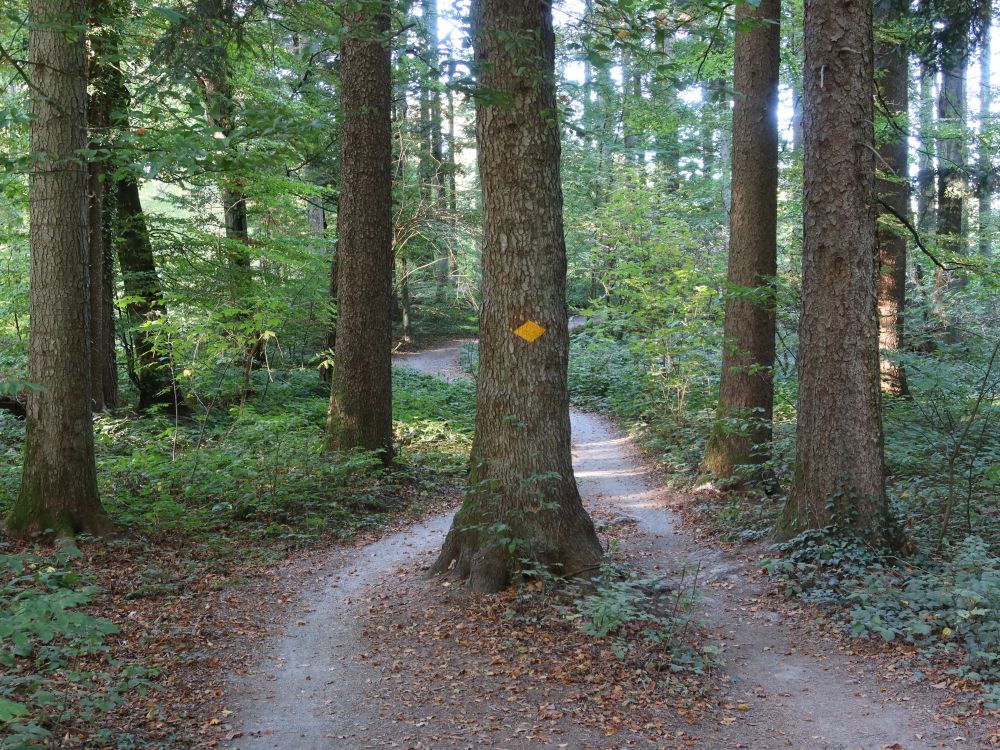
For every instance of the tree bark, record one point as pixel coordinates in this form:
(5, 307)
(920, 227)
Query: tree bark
(742, 432)
(838, 460)
(59, 478)
(151, 373)
(892, 74)
(360, 414)
(523, 502)
(103, 74)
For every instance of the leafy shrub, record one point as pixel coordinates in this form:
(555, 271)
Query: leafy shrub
(49, 680)
(947, 607)
(640, 613)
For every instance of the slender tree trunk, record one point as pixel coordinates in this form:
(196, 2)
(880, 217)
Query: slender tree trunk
(632, 105)
(668, 149)
(103, 41)
(151, 369)
(214, 31)
(452, 160)
(523, 500)
(952, 180)
(405, 305)
(59, 477)
(926, 172)
(986, 181)
(360, 414)
(838, 460)
(98, 305)
(127, 235)
(742, 433)
(892, 73)
(102, 347)
(436, 141)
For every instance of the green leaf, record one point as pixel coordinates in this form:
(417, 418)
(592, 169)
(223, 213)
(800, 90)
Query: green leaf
(11, 710)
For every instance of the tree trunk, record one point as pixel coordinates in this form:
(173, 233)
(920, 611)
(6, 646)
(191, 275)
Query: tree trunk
(103, 76)
(213, 30)
(893, 76)
(986, 181)
(742, 433)
(98, 305)
(360, 414)
(926, 173)
(952, 182)
(436, 140)
(151, 369)
(59, 480)
(838, 461)
(632, 105)
(523, 501)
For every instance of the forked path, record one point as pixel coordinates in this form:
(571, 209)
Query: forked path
(789, 686)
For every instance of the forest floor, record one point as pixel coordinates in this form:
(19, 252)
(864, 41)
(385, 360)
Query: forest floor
(369, 653)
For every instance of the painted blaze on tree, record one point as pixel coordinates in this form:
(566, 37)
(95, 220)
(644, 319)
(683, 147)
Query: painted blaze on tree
(522, 500)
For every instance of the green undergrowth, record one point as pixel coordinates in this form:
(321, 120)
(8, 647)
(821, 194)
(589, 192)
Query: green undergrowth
(947, 606)
(196, 500)
(258, 470)
(56, 671)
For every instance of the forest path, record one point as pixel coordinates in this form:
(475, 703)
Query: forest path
(789, 686)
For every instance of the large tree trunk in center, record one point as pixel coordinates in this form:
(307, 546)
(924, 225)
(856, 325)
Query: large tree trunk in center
(360, 414)
(838, 461)
(523, 502)
(59, 480)
(746, 393)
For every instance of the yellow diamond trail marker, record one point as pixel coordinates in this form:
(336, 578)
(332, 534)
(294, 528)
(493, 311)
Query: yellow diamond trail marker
(529, 331)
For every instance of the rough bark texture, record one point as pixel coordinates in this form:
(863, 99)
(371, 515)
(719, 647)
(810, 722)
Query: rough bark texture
(104, 75)
(746, 392)
(59, 479)
(523, 502)
(360, 414)
(838, 463)
(151, 372)
(892, 74)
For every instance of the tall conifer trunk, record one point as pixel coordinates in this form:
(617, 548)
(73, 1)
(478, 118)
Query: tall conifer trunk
(59, 479)
(987, 180)
(838, 459)
(892, 73)
(746, 393)
(523, 500)
(360, 414)
(952, 184)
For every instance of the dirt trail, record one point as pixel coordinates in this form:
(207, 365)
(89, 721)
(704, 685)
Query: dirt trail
(789, 687)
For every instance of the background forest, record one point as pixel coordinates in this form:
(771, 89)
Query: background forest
(215, 158)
